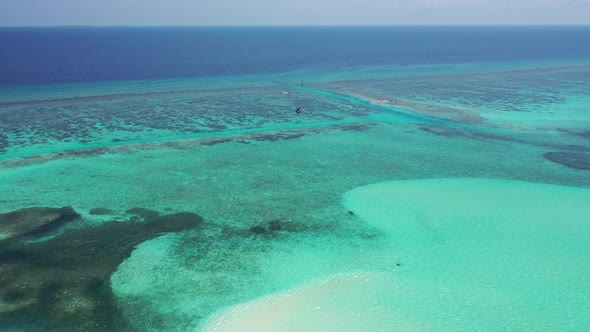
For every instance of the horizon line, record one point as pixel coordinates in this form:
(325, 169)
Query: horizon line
(291, 25)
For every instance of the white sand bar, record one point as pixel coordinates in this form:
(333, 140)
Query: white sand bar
(344, 302)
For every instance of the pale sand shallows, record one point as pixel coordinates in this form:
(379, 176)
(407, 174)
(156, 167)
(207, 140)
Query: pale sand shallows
(477, 254)
(519, 248)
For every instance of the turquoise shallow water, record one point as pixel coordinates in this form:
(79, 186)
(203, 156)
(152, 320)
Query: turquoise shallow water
(450, 197)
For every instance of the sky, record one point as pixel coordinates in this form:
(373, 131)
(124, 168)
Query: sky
(293, 12)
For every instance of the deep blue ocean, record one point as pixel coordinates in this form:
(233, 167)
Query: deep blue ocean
(81, 54)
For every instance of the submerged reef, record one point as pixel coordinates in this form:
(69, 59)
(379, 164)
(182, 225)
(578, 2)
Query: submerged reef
(574, 160)
(34, 221)
(120, 118)
(446, 131)
(273, 226)
(100, 211)
(143, 213)
(572, 132)
(442, 130)
(262, 136)
(63, 283)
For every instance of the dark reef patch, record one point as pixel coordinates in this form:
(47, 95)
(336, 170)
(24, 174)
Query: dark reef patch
(569, 147)
(492, 136)
(277, 225)
(442, 131)
(63, 284)
(34, 221)
(4, 144)
(278, 136)
(216, 141)
(356, 127)
(144, 213)
(87, 152)
(583, 133)
(258, 230)
(100, 211)
(574, 160)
